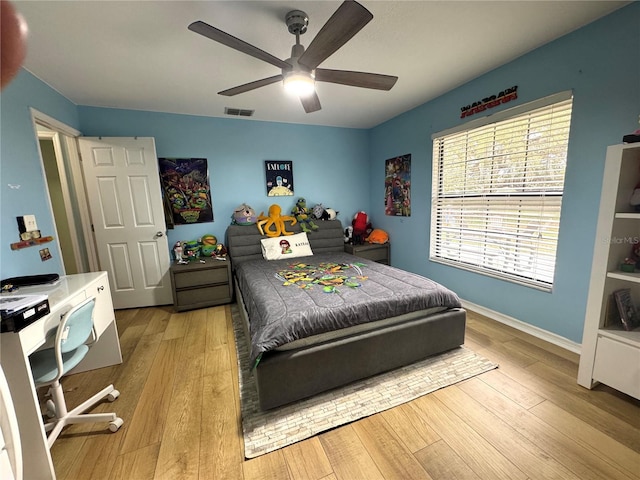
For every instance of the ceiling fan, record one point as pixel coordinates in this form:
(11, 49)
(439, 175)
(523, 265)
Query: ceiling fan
(300, 71)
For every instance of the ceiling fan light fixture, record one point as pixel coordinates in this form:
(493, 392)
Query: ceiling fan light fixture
(301, 84)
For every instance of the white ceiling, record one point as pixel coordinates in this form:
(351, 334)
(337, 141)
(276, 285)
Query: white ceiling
(139, 54)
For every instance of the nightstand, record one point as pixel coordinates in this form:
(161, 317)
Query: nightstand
(380, 253)
(200, 285)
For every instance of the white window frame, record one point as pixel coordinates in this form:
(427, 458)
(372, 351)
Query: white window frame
(467, 232)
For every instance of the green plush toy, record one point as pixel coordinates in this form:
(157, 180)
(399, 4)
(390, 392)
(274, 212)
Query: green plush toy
(303, 216)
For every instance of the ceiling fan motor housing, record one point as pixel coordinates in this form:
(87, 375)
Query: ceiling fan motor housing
(297, 22)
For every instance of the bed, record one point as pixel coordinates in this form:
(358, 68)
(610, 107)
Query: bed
(305, 339)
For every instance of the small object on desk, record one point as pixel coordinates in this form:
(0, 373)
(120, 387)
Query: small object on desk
(29, 280)
(19, 311)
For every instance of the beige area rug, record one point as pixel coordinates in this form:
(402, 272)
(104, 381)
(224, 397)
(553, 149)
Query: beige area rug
(267, 431)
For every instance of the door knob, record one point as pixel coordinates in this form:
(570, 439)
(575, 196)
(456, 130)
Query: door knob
(159, 234)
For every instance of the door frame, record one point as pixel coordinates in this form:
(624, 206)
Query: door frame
(65, 136)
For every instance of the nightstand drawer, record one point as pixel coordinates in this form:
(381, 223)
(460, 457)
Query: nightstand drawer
(204, 295)
(370, 251)
(377, 254)
(195, 278)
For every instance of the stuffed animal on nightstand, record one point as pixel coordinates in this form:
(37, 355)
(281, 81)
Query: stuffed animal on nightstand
(361, 227)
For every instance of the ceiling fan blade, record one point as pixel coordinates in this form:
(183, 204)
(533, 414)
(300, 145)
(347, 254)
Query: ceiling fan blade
(230, 41)
(250, 86)
(356, 79)
(346, 21)
(311, 103)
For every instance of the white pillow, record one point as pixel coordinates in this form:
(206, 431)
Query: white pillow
(289, 246)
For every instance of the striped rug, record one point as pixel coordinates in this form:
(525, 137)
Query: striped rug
(267, 431)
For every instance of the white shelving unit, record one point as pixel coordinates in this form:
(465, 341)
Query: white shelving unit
(610, 354)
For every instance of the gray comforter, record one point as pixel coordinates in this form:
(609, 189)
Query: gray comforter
(280, 314)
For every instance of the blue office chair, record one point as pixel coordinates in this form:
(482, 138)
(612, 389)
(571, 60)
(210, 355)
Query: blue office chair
(50, 365)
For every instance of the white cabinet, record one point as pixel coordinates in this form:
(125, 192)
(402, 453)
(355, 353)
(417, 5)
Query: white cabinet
(610, 354)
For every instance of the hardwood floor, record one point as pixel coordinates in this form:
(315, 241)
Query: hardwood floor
(179, 400)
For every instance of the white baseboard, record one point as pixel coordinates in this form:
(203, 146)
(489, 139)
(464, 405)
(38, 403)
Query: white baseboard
(525, 327)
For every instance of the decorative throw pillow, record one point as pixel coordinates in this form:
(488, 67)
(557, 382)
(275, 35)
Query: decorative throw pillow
(290, 246)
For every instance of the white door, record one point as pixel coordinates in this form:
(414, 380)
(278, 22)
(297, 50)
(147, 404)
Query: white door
(125, 200)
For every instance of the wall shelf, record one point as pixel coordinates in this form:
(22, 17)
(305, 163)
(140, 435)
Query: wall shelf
(31, 243)
(631, 338)
(628, 277)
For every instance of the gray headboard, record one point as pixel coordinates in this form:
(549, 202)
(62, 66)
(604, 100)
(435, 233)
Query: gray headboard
(243, 241)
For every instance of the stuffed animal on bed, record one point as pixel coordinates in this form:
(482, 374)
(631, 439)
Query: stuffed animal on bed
(303, 216)
(244, 215)
(321, 213)
(274, 220)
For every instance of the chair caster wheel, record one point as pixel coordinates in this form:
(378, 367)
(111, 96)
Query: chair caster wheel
(51, 409)
(116, 424)
(113, 395)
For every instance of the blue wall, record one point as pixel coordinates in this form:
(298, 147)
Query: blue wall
(344, 168)
(330, 165)
(22, 183)
(600, 64)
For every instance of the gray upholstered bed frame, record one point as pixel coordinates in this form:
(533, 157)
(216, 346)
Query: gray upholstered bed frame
(286, 376)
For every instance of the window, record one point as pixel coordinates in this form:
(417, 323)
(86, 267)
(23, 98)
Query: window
(497, 191)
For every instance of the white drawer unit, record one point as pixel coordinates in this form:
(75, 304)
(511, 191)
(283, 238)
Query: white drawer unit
(617, 364)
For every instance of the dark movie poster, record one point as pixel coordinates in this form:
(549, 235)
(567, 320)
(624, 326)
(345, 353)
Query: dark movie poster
(279, 177)
(397, 186)
(185, 182)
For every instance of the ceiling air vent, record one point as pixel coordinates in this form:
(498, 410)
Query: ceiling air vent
(238, 112)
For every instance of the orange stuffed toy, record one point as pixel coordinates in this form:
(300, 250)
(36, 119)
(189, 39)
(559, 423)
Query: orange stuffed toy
(276, 221)
(378, 236)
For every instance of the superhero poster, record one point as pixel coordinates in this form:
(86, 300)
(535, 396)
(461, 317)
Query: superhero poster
(185, 182)
(397, 186)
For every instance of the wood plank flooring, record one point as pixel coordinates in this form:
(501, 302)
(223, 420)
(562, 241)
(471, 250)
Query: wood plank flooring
(179, 400)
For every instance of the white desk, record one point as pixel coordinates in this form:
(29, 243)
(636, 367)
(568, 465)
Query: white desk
(15, 349)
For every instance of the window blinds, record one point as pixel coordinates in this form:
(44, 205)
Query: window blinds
(497, 194)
